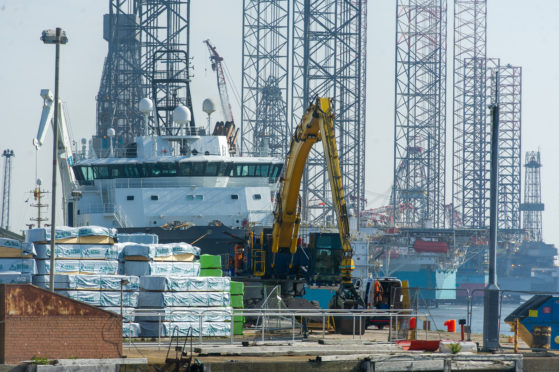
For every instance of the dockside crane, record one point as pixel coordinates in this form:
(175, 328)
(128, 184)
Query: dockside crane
(228, 128)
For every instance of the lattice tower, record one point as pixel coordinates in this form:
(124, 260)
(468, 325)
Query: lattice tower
(420, 104)
(328, 60)
(8, 155)
(470, 186)
(265, 128)
(532, 207)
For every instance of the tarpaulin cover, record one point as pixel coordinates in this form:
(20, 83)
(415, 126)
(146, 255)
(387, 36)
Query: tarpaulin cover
(102, 298)
(106, 267)
(15, 278)
(141, 268)
(93, 282)
(190, 314)
(138, 238)
(184, 284)
(24, 250)
(184, 299)
(78, 251)
(18, 265)
(182, 329)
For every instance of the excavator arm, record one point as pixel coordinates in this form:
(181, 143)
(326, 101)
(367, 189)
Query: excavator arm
(316, 125)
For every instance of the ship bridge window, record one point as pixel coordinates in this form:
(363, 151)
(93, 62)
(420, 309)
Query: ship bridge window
(253, 170)
(234, 196)
(100, 172)
(160, 169)
(129, 197)
(257, 196)
(154, 197)
(189, 197)
(199, 197)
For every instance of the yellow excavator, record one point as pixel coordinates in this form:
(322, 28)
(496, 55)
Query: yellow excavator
(316, 125)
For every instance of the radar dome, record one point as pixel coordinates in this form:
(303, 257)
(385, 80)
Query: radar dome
(111, 132)
(84, 141)
(181, 115)
(146, 106)
(208, 106)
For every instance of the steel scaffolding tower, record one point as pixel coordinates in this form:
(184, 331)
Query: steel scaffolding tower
(328, 60)
(510, 104)
(147, 57)
(121, 83)
(8, 155)
(264, 125)
(470, 186)
(419, 132)
(532, 207)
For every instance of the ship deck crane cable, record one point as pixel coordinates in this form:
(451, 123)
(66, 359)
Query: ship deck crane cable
(316, 125)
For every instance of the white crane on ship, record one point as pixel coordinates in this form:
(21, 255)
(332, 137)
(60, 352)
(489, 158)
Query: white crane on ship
(64, 149)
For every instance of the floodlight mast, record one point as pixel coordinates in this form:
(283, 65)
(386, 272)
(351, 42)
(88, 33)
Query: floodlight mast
(56, 37)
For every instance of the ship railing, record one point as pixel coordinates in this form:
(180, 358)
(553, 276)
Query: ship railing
(294, 328)
(120, 216)
(97, 208)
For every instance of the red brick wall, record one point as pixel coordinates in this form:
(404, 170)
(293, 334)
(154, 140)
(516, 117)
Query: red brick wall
(59, 337)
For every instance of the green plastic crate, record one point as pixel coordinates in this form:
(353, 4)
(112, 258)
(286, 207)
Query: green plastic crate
(237, 288)
(237, 301)
(238, 328)
(238, 319)
(209, 261)
(211, 272)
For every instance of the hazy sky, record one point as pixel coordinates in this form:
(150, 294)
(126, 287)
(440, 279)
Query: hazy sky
(520, 32)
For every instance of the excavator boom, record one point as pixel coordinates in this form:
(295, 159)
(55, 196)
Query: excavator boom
(316, 125)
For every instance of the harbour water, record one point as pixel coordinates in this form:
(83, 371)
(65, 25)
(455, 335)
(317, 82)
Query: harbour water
(458, 311)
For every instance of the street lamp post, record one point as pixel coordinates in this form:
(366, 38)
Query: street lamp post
(56, 37)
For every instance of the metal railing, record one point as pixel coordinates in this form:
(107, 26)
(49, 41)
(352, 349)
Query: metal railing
(263, 327)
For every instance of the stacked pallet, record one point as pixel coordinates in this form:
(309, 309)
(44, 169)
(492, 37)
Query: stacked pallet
(237, 294)
(16, 262)
(191, 305)
(86, 268)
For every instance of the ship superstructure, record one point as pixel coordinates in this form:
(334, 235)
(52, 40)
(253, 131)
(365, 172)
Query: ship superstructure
(187, 179)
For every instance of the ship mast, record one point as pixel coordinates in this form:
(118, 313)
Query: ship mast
(37, 196)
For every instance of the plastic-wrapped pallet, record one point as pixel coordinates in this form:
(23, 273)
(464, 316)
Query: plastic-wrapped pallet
(182, 329)
(138, 238)
(90, 282)
(15, 278)
(78, 251)
(172, 252)
(184, 284)
(11, 248)
(18, 266)
(131, 329)
(92, 267)
(189, 314)
(73, 235)
(183, 299)
(102, 298)
(142, 268)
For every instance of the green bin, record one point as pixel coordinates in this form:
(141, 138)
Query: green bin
(237, 288)
(209, 261)
(211, 272)
(237, 301)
